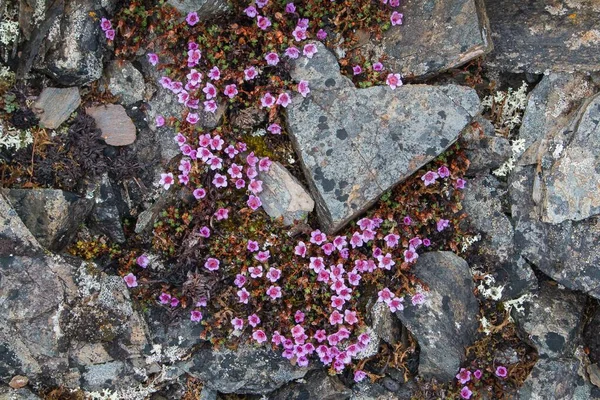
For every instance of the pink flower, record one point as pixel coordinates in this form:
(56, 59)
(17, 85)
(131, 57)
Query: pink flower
(252, 246)
(192, 18)
(196, 316)
(210, 90)
(254, 202)
(299, 317)
(259, 336)
(391, 240)
(460, 183)
(378, 67)
(477, 374)
(396, 18)
(364, 338)
(303, 88)
(272, 58)
(336, 318)
(275, 129)
(105, 24)
(359, 375)
(410, 255)
(256, 272)
(164, 298)
(463, 376)
(465, 393)
(143, 261)
(302, 361)
(194, 76)
(290, 8)
(222, 213)
(152, 58)
(321, 34)
(166, 180)
(415, 242)
(267, 100)
(394, 80)
(253, 320)
(212, 264)
(263, 256)
(300, 249)
(320, 335)
(263, 22)
(230, 91)
(240, 280)
(231, 151)
(317, 237)
(261, 3)
(429, 178)
(237, 323)
(215, 163)
(386, 262)
(273, 275)
(292, 52)
(240, 183)
(356, 240)
(235, 171)
(274, 292)
(299, 33)
(130, 280)
(214, 73)
(426, 242)
(316, 263)
(174, 302)
(110, 34)
(443, 171)
(210, 106)
(216, 143)
(418, 299)
(396, 304)
(394, 3)
(251, 11)
(385, 295)
(284, 99)
(328, 248)
(159, 121)
(357, 70)
(192, 118)
(501, 372)
(350, 317)
(264, 164)
(442, 224)
(165, 81)
(250, 73)
(199, 193)
(219, 181)
(310, 50)
(337, 302)
(205, 232)
(243, 295)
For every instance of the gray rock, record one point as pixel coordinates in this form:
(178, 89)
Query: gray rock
(354, 144)
(72, 52)
(554, 201)
(103, 376)
(372, 391)
(316, 385)
(105, 215)
(206, 9)
(485, 150)
(208, 394)
(436, 36)
(555, 379)
(124, 81)
(482, 204)
(283, 196)
(552, 320)
(54, 106)
(384, 325)
(255, 370)
(538, 36)
(52, 216)
(7, 393)
(116, 126)
(447, 322)
(15, 238)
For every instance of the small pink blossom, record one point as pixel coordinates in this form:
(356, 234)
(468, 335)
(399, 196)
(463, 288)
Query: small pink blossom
(290, 8)
(321, 34)
(386, 262)
(385, 295)
(274, 292)
(356, 240)
(320, 335)
(143, 261)
(159, 121)
(261, 3)
(164, 298)
(501, 372)
(394, 81)
(152, 58)
(418, 299)
(410, 255)
(166, 180)
(263, 256)
(426, 242)
(460, 183)
(250, 73)
(254, 202)
(292, 52)
(299, 33)
(442, 224)
(378, 67)
(214, 73)
(240, 280)
(396, 304)
(221, 214)
(303, 88)
(284, 99)
(174, 302)
(110, 34)
(219, 181)
(359, 375)
(465, 392)
(252, 246)
(350, 317)
(240, 183)
(263, 22)
(130, 280)
(256, 272)
(196, 316)
(272, 58)
(336, 318)
(443, 171)
(463, 376)
(396, 18)
(391, 240)
(317, 237)
(267, 100)
(264, 164)
(259, 336)
(299, 317)
(204, 232)
(237, 323)
(212, 264)
(230, 91)
(251, 11)
(273, 275)
(309, 50)
(105, 24)
(243, 295)
(300, 249)
(477, 374)
(209, 90)
(415, 242)
(429, 178)
(210, 106)
(192, 18)
(357, 70)
(199, 193)
(253, 320)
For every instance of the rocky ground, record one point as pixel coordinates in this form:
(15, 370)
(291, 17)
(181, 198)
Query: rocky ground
(107, 290)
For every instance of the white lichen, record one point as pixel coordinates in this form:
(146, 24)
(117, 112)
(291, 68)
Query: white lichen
(14, 139)
(517, 148)
(487, 288)
(517, 304)
(507, 108)
(468, 242)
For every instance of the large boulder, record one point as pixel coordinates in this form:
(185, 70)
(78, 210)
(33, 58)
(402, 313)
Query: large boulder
(536, 36)
(446, 324)
(436, 36)
(354, 144)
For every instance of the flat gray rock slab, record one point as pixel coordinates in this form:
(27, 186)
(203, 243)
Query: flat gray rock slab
(205, 8)
(354, 144)
(538, 35)
(283, 196)
(448, 320)
(55, 105)
(124, 81)
(436, 36)
(116, 126)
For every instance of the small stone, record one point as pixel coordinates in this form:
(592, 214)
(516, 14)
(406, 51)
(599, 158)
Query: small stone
(205, 8)
(283, 196)
(54, 106)
(316, 385)
(124, 81)
(485, 150)
(116, 126)
(390, 384)
(19, 381)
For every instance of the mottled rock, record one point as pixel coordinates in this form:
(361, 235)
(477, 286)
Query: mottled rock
(52, 216)
(384, 325)
(72, 52)
(206, 9)
(354, 144)
(555, 379)
(124, 81)
(283, 196)
(316, 385)
(103, 376)
(105, 215)
(208, 394)
(552, 320)
(436, 36)
(591, 339)
(55, 105)
(18, 394)
(246, 370)
(374, 391)
(485, 150)
(482, 204)
(555, 201)
(15, 238)
(116, 126)
(447, 322)
(536, 36)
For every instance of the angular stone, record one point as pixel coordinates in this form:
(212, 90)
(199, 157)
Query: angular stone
(244, 371)
(124, 81)
(555, 379)
(52, 216)
(205, 8)
(436, 36)
(371, 391)
(105, 215)
(18, 394)
(537, 36)
(354, 144)
(316, 385)
(116, 126)
(552, 320)
(55, 105)
(283, 196)
(15, 238)
(447, 322)
(485, 150)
